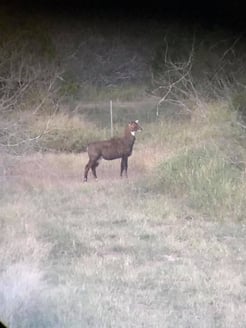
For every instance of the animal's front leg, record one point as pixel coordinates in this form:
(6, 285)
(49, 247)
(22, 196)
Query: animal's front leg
(122, 166)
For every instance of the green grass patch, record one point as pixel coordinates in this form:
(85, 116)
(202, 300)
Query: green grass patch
(65, 133)
(206, 180)
(125, 92)
(123, 112)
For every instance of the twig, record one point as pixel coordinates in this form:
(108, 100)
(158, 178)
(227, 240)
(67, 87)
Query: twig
(241, 125)
(185, 68)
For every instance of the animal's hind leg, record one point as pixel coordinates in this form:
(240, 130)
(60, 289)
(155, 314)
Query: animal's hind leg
(87, 168)
(126, 166)
(93, 168)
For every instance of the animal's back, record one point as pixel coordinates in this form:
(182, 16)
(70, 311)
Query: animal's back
(113, 148)
(107, 149)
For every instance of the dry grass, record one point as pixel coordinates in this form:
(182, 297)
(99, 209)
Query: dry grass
(117, 253)
(108, 254)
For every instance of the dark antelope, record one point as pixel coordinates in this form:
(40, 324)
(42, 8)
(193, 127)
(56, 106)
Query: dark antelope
(112, 149)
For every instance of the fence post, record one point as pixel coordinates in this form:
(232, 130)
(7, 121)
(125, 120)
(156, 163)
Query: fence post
(111, 118)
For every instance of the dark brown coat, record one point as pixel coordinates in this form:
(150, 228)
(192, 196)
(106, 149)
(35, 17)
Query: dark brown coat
(112, 149)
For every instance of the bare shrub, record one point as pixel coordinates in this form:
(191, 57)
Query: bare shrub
(200, 70)
(28, 81)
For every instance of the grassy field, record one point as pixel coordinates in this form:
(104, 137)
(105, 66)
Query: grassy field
(164, 248)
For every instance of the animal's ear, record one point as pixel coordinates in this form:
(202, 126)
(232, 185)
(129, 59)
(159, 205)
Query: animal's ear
(136, 121)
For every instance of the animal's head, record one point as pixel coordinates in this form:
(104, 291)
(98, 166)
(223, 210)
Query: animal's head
(134, 127)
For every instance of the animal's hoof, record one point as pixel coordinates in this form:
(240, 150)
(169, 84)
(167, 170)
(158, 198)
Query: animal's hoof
(84, 180)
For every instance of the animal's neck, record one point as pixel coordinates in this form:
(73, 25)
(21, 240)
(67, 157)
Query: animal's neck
(129, 134)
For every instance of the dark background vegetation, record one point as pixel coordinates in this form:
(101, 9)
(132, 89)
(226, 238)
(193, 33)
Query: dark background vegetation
(227, 13)
(56, 55)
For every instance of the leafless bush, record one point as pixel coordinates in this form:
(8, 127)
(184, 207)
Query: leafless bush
(28, 81)
(205, 71)
(175, 82)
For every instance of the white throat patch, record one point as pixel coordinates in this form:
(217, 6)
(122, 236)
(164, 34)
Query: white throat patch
(133, 133)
